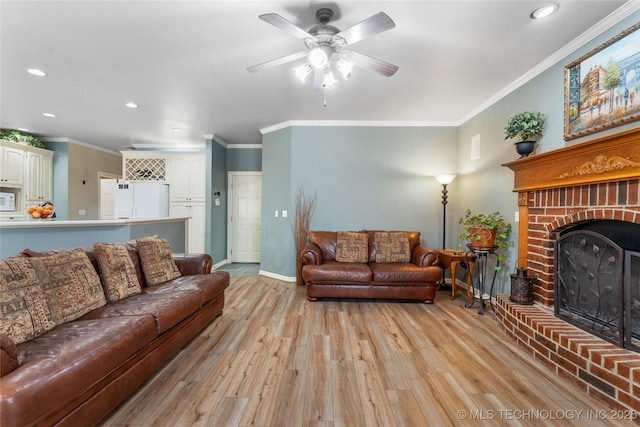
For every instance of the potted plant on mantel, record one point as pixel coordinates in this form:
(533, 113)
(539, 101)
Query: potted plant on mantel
(527, 126)
(485, 232)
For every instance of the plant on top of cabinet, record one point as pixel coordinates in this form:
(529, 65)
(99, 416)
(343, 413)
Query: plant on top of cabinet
(527, 126)
(20, 137)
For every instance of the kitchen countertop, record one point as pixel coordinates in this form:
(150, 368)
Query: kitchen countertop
(83, 222)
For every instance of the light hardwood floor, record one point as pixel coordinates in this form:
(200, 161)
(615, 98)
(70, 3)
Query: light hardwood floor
(275, 359)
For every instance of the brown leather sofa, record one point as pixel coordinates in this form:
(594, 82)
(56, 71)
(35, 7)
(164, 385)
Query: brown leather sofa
(326, 277)
(76, 373)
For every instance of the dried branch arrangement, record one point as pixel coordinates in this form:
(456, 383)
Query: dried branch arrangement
(305, 205)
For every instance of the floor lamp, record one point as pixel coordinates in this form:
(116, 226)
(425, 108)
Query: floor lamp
(444, 180)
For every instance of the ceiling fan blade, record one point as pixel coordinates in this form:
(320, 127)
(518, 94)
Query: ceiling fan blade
(371, 26)
(276, 62)
(286, 26)
(373, 64)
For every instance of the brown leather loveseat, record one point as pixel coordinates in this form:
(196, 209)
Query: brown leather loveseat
(75, 372)
(370, 264)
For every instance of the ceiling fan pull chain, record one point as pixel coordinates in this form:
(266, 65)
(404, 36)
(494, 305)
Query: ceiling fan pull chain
(324, 90)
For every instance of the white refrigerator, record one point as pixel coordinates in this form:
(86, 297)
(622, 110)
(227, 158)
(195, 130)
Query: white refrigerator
(141, 200)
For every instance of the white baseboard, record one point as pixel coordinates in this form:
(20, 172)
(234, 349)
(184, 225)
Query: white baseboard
(277, 276)
(220, 264)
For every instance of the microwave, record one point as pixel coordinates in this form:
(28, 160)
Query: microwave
(7, 202)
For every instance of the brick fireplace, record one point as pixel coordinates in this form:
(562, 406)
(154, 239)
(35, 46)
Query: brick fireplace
(591, 181)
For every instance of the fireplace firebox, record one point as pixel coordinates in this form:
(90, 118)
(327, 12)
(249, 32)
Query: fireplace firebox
(596, 282)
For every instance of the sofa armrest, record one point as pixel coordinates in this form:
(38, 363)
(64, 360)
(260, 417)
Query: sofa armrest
(8, 355)
(311, 254)
(189, 264)
(424, 257)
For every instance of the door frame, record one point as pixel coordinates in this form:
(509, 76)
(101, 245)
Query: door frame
(230, 204)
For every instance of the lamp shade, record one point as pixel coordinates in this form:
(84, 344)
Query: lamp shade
(445, 179)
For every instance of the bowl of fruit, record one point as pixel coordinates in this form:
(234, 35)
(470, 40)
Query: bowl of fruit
(41, 212)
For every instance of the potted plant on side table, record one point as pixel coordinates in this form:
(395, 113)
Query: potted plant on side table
(485, 231)
(527, 126)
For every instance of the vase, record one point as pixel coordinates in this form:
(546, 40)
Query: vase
(482, 238)
(524, 148)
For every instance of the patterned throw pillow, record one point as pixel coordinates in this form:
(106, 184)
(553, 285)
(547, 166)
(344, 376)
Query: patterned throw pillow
(392, 247)
(70, 283)
(24, 313)
(117, 271)
(157, 260)
(352, 247)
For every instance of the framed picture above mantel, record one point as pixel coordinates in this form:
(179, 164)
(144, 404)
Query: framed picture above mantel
(601, 88)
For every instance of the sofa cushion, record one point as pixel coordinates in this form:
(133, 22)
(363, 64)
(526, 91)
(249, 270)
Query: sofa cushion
(413, 236)
(117, 270)
(71, 284)
(24, 313)
(167, 308)
(352, 247)
(405, 273)
(210, 286)
(337, 272)
(392, 247)
(61, 365)
(157, 260)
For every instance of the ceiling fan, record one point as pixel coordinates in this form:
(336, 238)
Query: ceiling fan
(326, 48)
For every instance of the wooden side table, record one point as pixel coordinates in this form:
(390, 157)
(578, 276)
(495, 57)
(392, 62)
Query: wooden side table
(451, 258)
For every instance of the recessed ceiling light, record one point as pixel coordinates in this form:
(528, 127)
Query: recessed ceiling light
(543, 11)
(48, 114)
(23, 129)
(131, 105)
(176, 129)
(36, 72)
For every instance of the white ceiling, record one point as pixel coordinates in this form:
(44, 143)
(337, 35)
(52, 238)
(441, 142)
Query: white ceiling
(184, 63)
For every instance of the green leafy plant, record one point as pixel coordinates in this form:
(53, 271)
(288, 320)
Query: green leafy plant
(17, 136)
(475, 227)
(526, 125)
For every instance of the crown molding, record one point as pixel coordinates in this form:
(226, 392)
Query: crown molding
(352, 123)
(82, 144)
(245, 146)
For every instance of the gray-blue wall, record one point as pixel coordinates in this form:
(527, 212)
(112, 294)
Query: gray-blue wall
(216, 221)
(364, 178)
(244, 159)
(276, 233)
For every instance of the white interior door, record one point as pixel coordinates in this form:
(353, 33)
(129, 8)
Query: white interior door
(245, 216)
(107, 198)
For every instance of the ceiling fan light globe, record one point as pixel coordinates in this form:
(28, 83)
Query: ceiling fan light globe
(329, 81)
(345, 68)
(317, 58)
(302, 72)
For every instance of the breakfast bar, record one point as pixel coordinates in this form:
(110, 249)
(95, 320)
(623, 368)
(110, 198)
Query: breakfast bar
(47, 234)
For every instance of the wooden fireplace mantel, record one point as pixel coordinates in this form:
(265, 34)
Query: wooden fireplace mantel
(606, 159)
(609, 158)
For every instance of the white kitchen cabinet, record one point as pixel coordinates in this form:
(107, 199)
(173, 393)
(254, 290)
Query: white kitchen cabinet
(186, 175)
(187, 178)
(196, 225)
(12, 158)
(144, 166)
(39, 176)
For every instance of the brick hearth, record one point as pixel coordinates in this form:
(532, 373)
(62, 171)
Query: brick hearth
(595, 180)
